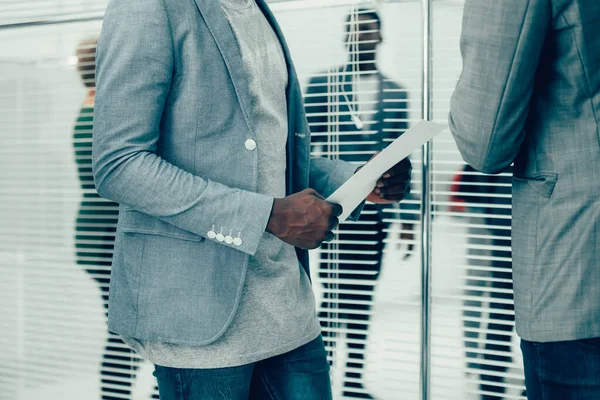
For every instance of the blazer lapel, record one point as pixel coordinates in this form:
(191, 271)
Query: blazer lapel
(295, 105)
(221, 31)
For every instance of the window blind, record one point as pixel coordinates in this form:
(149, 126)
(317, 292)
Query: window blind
(475, 350)
(29, 11)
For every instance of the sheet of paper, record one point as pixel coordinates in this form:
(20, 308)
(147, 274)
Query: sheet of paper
(355, 189)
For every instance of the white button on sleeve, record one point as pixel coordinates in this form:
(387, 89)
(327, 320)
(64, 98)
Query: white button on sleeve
(237, 241)
(212, 234)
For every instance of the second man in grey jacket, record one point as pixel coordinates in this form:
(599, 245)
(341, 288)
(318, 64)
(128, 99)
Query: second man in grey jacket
(530, 94)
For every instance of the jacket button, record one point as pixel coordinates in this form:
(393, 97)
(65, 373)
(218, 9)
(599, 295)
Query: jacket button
(228, 239)
(212, 234)
(220, 237)
(250, 144)
(237, 241)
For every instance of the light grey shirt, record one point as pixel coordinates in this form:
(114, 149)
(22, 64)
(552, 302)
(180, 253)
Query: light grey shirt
(277, 308)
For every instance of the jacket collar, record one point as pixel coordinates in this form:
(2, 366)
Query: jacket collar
(223, 35)
(221, 31)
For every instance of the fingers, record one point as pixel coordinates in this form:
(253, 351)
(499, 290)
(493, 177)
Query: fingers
(333, 223)
(395, 193)
(394, 190)
(394, 185)
(401, 179)
(384, 186)
(329, 236)
(403, 167)
(337, 209)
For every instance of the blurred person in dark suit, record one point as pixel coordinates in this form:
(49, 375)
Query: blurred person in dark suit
(355, 111)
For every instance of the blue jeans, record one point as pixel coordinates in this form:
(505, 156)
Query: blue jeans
(562, 370)
(301, 374)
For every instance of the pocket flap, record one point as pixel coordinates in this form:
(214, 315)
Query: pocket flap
(543, 183)
(132, 221)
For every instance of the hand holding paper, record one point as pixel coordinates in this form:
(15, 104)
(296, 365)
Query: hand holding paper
(362, 184)
(305, 219)
(394, 185)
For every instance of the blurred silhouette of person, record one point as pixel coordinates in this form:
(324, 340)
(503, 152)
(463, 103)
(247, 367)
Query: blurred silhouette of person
(95, 231)
(490, 195)
(353, 112)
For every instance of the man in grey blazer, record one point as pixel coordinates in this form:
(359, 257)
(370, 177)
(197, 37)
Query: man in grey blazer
(530, 94)
(202, 139)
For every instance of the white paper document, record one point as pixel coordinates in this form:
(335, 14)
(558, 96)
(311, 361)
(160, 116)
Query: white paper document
(354, 191)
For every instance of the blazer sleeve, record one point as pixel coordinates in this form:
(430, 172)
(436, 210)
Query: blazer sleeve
(135, 66)
(501, 44)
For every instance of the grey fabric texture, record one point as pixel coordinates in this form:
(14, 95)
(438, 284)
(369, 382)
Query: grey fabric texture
(277, 308)
(530, 94)
(172, 119)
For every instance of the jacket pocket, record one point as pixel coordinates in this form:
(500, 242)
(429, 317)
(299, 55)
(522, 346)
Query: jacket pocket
(543, 183)
(132, 221)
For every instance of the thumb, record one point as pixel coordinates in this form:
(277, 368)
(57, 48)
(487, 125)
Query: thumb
(337, 209)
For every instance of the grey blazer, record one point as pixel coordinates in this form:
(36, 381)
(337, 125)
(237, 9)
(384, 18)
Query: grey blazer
(174, 146)
(530, 93)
